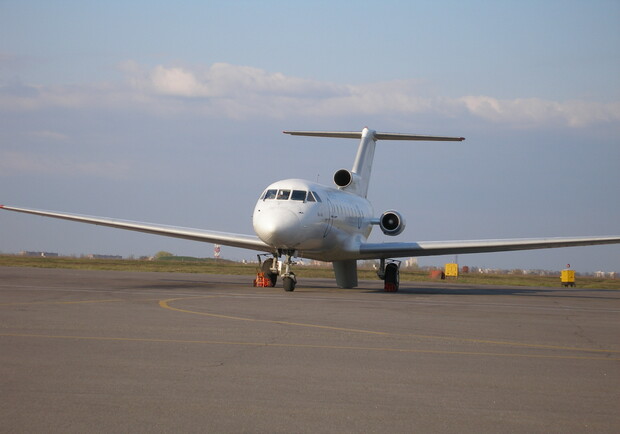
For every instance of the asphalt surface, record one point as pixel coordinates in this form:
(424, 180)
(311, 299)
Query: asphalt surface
(100, 351)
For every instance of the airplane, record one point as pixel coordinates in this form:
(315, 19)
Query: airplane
(295, 218)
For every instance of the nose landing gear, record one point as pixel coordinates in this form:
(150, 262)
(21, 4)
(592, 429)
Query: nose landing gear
(390, 274)
(288, 278)
(271, 267)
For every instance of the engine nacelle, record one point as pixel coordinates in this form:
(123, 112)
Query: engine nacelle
(392, 223)
(343, 178)
(347, 181)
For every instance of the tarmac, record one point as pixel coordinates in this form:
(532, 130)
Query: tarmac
(101, 351)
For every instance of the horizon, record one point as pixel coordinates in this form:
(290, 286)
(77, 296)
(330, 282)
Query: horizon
(480, 268)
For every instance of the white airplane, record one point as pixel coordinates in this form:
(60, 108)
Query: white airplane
(298, 218)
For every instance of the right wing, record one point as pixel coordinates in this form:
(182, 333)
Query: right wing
(234, 240)
(433, 248)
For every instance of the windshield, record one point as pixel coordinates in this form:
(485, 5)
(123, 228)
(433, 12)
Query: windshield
(270, 194)
(286, 194)
(283, 194)
(298, 195)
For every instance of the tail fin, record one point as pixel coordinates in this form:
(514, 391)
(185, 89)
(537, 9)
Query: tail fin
(362, 166)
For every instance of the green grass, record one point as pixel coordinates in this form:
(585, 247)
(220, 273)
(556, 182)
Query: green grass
(163, 265)
(177, 264)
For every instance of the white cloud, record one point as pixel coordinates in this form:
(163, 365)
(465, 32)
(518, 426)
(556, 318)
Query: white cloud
(177, 82)
(534, 111)
(224, 90)
(222, 80)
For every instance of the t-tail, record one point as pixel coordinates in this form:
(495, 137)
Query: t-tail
(356, 180)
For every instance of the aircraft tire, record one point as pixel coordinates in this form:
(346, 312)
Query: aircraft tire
(392, 276)
(266, 269)
(289, 284)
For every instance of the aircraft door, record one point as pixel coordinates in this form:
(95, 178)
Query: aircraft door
(359, 216)
(329, 212)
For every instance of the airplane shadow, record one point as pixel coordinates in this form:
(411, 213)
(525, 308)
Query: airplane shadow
(328, 285)
(598, 294)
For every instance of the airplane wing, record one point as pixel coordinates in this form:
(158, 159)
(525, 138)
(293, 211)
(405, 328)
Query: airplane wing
(227, 239)
(434, 248)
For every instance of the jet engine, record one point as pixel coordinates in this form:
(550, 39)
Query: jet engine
(348, 181)
(392, 223)
(343, 178)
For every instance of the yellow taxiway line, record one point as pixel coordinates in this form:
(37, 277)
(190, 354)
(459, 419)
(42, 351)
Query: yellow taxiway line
(166, 305)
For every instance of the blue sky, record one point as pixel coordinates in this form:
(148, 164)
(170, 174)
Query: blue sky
(173, 113)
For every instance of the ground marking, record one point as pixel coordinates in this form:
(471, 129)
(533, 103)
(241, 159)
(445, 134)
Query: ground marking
(166, 305)
(304, 346)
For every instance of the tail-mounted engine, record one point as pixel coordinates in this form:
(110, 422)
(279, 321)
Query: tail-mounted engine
(392, 223)
(348, 181)
(343, 178)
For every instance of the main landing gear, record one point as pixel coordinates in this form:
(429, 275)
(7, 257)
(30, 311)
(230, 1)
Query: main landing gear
(270, 269)
(390, 274)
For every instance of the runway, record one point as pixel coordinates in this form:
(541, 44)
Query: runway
(84, 351)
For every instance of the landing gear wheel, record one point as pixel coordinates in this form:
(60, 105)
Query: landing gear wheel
(392, 277)
(266, 269)
(289, 283)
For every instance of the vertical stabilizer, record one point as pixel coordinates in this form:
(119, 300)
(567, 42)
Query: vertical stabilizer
(362, 166)
(358, 179)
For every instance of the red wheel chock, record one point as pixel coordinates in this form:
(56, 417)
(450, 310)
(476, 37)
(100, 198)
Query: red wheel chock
(261, 281)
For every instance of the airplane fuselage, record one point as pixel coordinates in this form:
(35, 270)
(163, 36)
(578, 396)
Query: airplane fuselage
(316, 221)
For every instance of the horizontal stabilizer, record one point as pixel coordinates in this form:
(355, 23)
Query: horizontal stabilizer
(340, 134)
(377, 135)
(398, 136)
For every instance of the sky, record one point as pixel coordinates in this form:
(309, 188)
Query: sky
(172, 113)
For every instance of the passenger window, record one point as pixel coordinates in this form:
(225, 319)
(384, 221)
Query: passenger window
(270, 194)
(318, 199)
(298, 195)
(283, 194)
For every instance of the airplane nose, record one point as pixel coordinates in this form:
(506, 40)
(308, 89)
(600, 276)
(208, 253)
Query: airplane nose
(277, 227)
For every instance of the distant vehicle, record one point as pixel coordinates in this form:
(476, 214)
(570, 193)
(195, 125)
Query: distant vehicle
(299, 218)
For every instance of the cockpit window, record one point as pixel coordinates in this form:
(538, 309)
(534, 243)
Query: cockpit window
(283, 194)
(318, 199)
(270, 194)
(310, 197)
(298, 195)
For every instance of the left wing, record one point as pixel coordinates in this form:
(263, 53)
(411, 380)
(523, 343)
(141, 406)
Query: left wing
(433, 248)
(225, 238)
